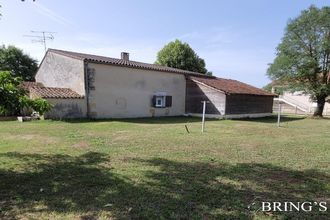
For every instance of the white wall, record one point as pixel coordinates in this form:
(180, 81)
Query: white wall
(303, 100)
(122, 92)
(67, 108)
(197, 92)
(62, 72)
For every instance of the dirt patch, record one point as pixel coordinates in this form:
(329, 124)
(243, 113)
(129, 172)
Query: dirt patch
(81, 144)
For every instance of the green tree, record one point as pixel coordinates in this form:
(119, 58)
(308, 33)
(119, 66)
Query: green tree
(303, 56)
(180, 55)
(18, 63)
(39, 105)
(12, 96)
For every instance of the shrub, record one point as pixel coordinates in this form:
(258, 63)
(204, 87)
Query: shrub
(40, 105)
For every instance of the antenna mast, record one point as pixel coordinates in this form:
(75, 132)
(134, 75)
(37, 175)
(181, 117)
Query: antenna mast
(41, 37)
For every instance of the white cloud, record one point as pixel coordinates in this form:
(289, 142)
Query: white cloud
(211, 37)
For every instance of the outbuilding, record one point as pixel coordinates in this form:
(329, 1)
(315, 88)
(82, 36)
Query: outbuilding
(89, 86)
(226, 98)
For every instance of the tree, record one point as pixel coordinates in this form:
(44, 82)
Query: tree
(180, 55)
(13, 98)
(19, 64)
(303, 56)
(11, 94)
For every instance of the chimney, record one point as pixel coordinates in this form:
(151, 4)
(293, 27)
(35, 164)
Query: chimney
(124, 56)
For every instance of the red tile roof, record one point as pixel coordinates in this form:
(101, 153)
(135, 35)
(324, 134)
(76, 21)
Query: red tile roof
(52, 92)
(121, 62)
(39, 90)
(230, 86)
(27, 85)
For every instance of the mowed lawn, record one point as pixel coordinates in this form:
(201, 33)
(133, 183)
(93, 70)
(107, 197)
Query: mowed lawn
(154, 169)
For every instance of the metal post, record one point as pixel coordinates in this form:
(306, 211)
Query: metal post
(203, 118)
(44, 41)
(279, 115)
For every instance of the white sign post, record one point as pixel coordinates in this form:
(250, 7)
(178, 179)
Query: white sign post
(279, 114)
(203, 118)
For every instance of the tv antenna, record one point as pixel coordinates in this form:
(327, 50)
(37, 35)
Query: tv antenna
(41, 37)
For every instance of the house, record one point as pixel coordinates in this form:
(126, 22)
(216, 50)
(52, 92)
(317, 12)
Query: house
(294, 102)
(298, 102)
(89, 86)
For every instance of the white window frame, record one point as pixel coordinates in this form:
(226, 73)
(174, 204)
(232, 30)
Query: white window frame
(162, 97)
(162, 101)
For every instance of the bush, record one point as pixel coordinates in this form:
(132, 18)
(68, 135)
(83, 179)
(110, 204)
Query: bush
(40, 105)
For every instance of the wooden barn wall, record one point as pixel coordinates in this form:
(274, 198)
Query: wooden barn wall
(248, 104)
(196, 93)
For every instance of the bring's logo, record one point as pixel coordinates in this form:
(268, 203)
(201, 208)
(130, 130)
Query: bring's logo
(287, 206)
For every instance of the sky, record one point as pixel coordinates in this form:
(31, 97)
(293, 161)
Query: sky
(237, 39)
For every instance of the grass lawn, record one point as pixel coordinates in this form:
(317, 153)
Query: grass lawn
(154, 169)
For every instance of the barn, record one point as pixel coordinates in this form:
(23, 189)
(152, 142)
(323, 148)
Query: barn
(226, 98)
(89, 86)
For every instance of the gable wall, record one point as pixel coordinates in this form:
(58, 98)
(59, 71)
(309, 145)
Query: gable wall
(196, 93)
(62, 72)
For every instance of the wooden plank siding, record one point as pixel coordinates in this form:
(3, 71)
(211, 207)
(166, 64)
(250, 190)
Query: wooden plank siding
(196, 93)
(248, 104)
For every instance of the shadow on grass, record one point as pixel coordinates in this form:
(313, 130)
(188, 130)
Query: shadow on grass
(154, 120)
(86, 186)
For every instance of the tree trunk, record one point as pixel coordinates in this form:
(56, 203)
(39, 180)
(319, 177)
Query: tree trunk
(320, 106)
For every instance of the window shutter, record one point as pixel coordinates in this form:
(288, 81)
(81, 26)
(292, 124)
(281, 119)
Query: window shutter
(168, 101)
(153, 101)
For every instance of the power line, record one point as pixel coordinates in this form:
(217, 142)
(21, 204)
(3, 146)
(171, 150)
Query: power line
(41, 37)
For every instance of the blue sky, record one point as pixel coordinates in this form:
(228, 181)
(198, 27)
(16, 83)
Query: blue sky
(237, 39)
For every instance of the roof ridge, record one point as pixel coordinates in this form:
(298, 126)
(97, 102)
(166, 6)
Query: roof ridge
(121, 62)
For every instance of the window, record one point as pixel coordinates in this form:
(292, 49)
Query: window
(160, 101)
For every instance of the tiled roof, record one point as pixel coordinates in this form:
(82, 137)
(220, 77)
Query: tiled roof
(50, 92)
(121, 62)
(230, 86)
(27, 85)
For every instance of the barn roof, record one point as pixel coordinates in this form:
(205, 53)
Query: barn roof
(121, 62)
(230, 86)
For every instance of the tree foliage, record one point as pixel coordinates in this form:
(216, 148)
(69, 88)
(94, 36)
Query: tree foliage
(303, 56)
(11, 95)
(18, 63)
(180, 55)
(39, 105)
(13, 98)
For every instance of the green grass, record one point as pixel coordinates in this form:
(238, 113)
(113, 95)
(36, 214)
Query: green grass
(154, 169)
